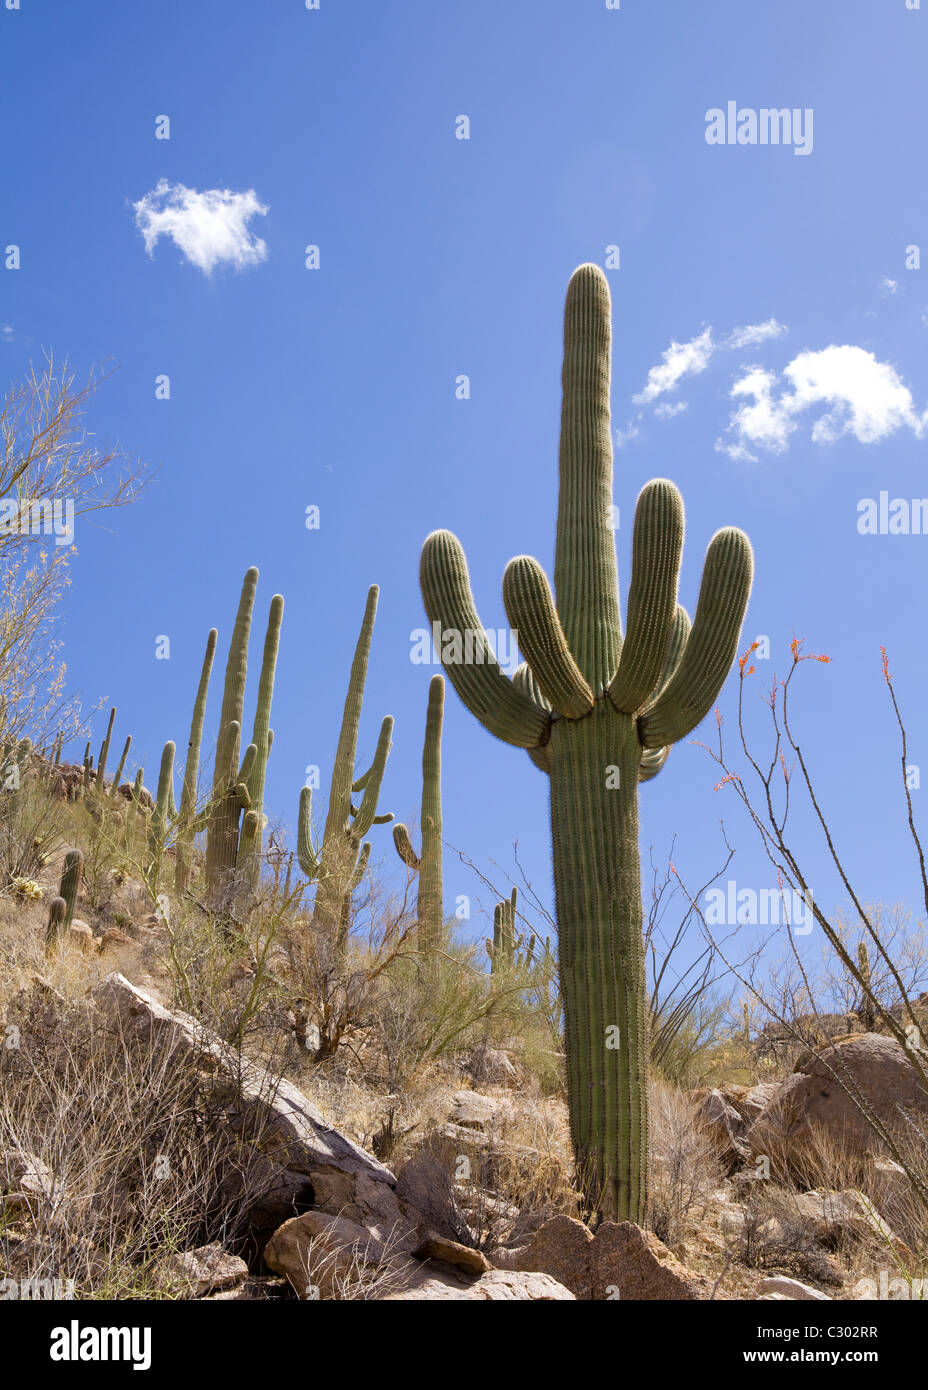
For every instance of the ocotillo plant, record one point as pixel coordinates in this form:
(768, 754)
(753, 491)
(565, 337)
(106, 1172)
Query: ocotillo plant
(598, 714)
(189, 824)
(430, 914)
(231, 848)
(339, 865)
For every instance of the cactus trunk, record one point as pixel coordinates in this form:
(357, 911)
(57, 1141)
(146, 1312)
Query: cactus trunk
(597, 877)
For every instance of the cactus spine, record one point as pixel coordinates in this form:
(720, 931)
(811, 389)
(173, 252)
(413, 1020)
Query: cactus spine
(598, 715)
(339, 865)
(430, 912)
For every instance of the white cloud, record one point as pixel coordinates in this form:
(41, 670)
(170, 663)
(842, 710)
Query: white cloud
(210, 228)
(679, 360)
(667, 410)
(889, 286)
(735, 451)
(623, 437)
(863, 397)
(6, 332)
(753, 333)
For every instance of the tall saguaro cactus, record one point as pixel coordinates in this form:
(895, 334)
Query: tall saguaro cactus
(598, 714)
(339, 865)
(189, 824)
(430, 911)
(233, 845)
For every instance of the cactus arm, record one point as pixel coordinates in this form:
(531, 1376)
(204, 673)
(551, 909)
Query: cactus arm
(114, 790)
(523, 680)
(191, 823)
(657, 548)
(385, 819)
(307, 857)
(652, 760)
(233, 694)
(361, 866)
(531, 613)
(368, 808)
(404, 847)
(250, 843)
(105, 751)
(712, 644)
(490, 696)
(430, 903)
(585, 571)
(339, 809)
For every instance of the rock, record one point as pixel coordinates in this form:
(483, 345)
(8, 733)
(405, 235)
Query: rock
(113, 938)
(563, 1248)
(633, 1265)
(620, 1261)
(25, 1182)
(321, 1254)
(791, 1289)
(472, 1110)
(450, 1252)
(80, 935)
(837, 1216)
(289, 1126)
(813, 1100)
(253, 1290)
(205, 1270)
(497, 1286)
(491, 1065)
(424, 1183)
(757, 1099)
(724, 1127)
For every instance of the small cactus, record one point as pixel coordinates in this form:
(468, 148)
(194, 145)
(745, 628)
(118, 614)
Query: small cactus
(57, 913)
(70, 883)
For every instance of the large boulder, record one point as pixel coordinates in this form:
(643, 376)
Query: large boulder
(290, 1158)
(724, 1127)
(562, 1247)
(620, 1262)
(817, 1100)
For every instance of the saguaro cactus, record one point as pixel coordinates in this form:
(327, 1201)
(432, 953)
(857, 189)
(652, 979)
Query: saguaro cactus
(236, 788)
(188, 823)
(430, 899)
(339, 865)
(598, 714)
(70, 883)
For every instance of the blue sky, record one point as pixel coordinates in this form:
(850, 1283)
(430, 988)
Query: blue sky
(439, 256)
